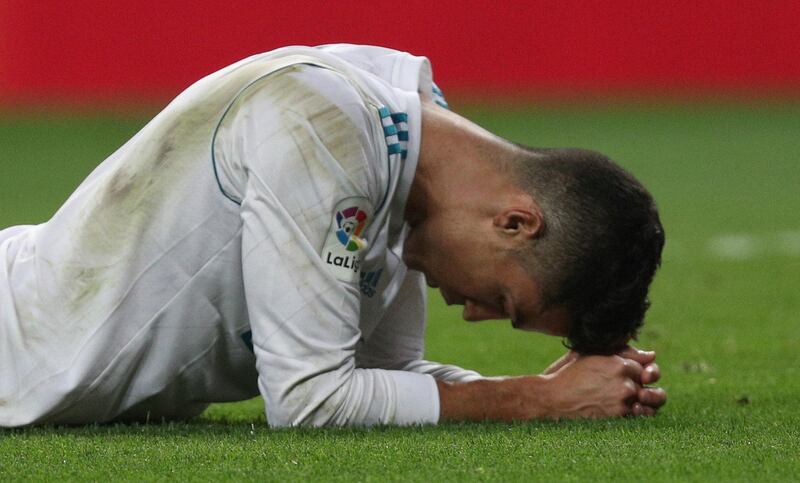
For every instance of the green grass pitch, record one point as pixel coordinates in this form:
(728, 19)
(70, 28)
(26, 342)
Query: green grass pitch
(725, 321)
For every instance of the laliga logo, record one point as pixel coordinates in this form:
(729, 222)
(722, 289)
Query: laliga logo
(344, 242)
(351, 223)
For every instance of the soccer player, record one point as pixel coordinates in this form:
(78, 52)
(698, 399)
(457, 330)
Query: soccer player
(272, 231)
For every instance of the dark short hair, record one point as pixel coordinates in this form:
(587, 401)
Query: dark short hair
(599, 247)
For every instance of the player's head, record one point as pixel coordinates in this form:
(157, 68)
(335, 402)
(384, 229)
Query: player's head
(561, 241)
(598, 246)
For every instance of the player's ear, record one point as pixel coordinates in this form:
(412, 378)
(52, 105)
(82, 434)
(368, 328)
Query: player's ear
(520, 222)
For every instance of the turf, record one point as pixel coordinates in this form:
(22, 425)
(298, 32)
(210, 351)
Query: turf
(725, 318)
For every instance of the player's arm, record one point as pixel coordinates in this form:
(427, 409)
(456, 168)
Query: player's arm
(596, 387)
(576, 386)
(398, 341)
(305, 139)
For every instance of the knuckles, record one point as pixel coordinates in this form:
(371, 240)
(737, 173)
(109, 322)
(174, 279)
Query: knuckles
(608, 364)
(629, 389)
(656, 397)
(617, 385)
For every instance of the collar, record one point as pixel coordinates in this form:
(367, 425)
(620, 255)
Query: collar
(409, 168)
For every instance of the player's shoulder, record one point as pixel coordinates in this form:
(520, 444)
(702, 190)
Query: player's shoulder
(333, 85)
(397, 69)
(339, 71)
(304, 92)
(371, 58)
(401, 70)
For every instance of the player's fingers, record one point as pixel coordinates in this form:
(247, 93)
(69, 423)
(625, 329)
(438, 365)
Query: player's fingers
(640, 356)
(654, 397)
(639, 409)
(632, 369)
(651, 373)
(630, 392)
(561, 362)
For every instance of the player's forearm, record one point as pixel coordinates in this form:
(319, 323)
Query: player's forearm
(586, 387)
(501, 399)
(359, 397)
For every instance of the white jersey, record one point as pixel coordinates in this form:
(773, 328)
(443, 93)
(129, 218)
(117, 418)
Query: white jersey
(248, 239)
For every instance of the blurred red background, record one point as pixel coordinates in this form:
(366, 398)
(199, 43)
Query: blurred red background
(84, 51)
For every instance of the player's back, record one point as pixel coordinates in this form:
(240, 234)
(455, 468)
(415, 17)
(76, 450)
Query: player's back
(130, 300)
(142, 261)
(135, 282)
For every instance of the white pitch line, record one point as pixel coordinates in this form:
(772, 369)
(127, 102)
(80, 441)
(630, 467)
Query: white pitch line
(745, 246)
(735, 247)
(789, 243)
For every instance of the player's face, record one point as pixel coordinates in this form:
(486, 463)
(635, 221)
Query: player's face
(471, 267)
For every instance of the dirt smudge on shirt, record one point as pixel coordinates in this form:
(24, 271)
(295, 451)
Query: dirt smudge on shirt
(118, 217)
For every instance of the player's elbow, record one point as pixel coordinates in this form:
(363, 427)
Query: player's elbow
(318, 401)
(282, 416)
(353, 397)
(291, 412)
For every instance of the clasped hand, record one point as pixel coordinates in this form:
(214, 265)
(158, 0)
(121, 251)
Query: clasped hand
(605, 386)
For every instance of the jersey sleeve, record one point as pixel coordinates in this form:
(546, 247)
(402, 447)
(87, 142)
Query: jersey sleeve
(398, 342)
(305, 143)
